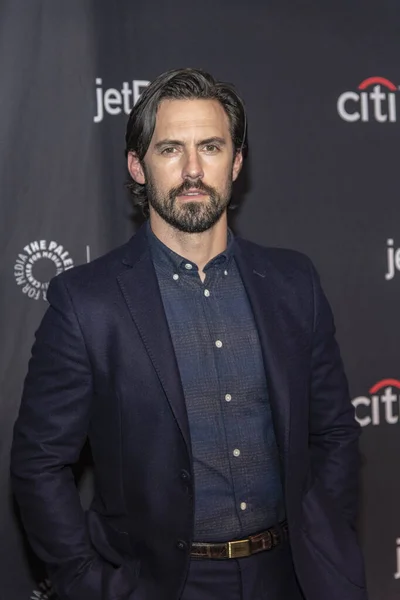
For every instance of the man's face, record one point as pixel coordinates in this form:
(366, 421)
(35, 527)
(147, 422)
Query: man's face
(190, 164)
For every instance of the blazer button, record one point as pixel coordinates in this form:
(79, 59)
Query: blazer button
(181, 545)
(185, 476)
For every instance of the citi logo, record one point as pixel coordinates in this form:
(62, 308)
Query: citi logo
(381, 406)
(376, 101)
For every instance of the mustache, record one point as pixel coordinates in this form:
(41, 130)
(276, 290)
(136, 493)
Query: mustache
(191, 185)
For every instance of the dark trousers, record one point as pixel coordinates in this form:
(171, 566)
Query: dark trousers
(268, 575)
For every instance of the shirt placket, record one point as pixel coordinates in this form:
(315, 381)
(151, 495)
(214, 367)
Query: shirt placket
(226, 394)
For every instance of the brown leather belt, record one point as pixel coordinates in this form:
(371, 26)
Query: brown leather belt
(266, 540)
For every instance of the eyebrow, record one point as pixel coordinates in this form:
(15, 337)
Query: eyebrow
(211, 140)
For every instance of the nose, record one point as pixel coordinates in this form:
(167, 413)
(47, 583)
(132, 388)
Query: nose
(192, 168)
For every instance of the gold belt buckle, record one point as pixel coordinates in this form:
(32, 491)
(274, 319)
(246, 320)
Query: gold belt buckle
(239, 548)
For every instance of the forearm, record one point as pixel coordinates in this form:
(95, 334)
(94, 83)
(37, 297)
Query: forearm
(50, 510)
(49, 433)
(333, 430)
(335, 461)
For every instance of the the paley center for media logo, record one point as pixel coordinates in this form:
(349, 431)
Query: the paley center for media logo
(374, 101)
(381, 405)
(113, 101)
(37, 263)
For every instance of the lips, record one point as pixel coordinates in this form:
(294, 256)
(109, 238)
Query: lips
(193, 193)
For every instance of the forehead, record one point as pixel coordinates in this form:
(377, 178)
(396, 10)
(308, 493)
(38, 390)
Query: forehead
(186, 117)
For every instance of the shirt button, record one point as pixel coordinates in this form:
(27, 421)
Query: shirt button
(185, 476)
(228, 397)
(236, 452)
(207, 293)
(188, 266)
(175, 276)
(225, 272)
(243, 505)
(181, 545)
(218, 343)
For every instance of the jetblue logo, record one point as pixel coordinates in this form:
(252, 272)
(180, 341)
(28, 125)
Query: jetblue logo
(113, 101)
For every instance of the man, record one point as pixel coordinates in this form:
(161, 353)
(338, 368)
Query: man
(204, 370)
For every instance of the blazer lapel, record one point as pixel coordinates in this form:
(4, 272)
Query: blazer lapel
(261, 286)
(139, 287)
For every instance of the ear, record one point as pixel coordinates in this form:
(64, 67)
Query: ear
(237, 165)
(135, 168)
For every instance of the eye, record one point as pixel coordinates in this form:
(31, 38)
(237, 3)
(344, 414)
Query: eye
(169, 150)
(211, 148)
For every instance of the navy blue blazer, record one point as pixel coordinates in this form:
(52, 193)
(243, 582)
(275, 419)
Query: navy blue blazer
(103, 366)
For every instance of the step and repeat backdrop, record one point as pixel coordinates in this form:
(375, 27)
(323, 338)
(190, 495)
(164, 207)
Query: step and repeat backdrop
(321, 86)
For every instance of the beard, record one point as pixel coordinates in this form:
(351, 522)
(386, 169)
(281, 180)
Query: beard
(189, 217)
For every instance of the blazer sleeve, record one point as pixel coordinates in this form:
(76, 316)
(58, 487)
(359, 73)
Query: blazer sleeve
(49, 434)
(334, 431)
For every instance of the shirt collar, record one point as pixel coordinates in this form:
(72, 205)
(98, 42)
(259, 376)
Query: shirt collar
(166, 258)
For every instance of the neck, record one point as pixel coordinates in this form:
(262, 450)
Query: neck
(199, 248)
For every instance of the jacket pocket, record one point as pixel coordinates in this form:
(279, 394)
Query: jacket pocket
(112, 545)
